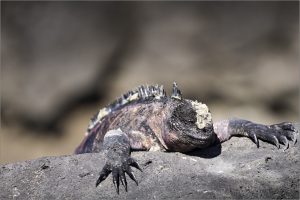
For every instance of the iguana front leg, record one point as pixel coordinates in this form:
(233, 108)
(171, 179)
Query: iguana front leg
(274, 134)
(118, 161)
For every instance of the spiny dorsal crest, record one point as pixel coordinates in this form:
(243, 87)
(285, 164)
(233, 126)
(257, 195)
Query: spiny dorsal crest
(144, 92)
(176, 93)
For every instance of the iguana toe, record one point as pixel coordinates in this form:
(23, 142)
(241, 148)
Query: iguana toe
(133, 163)
(118, 171)
(116, 179)
(103, 174)
(131, 175)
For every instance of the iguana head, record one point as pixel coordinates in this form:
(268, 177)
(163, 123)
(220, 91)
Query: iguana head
(189, 125)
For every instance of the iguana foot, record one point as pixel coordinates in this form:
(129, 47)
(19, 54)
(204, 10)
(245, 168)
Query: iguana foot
(276, 134)
(118, 170)
(118, 161)
(287, 132)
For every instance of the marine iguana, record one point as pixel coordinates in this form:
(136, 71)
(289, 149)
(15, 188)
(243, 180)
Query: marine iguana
(147, 119)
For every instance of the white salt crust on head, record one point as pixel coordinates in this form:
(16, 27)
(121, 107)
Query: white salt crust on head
(203, 115)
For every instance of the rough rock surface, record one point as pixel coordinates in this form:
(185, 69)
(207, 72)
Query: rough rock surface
(236, 170)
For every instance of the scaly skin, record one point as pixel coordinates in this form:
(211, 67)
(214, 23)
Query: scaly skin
(146, 119)
(165, 124)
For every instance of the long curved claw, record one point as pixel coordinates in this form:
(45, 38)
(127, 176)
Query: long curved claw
(254, 138)
(295, 140)
(123, 179)
(285, 141)
(275, 141)
(103, 174)
(116, 179)
(291, 136)
(131, 175)
(133, 163)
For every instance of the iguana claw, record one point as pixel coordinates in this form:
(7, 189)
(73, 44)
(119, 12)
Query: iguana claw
(118, 173)
(276, 134)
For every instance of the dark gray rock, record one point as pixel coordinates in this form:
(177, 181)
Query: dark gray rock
(237, 170)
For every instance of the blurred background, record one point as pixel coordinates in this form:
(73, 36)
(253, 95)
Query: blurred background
(62, 61)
